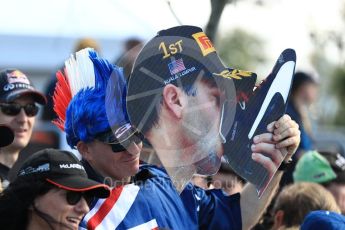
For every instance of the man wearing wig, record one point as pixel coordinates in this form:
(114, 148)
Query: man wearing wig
(89, 100)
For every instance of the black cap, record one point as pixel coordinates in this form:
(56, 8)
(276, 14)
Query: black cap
(62, 169)
(337, 162)
(14, 83)
(6, 136)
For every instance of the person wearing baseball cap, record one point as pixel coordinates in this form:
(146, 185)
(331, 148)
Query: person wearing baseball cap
(51, 191)
(336, 186)
(326, 168)
(313, 167)
(18, 109)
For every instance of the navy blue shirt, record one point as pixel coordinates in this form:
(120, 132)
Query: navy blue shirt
(306, 143)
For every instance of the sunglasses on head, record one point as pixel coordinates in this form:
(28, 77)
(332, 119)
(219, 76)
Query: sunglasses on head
(73, 197)
(13, 109)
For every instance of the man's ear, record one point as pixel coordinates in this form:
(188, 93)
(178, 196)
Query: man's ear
(83, 149)
(174, 100)
(278, 219)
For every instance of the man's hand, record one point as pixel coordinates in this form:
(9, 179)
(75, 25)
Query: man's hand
(286, 134)
(270, 149)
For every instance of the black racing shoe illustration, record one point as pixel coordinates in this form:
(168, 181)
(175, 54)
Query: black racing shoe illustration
(255, 110)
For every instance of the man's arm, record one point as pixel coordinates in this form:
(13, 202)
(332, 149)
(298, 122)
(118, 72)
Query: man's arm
(280, 143)
(252, 207)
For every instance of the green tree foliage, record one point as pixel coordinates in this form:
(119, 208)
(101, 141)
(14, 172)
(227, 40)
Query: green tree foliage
(338, 85)
(240, 49)
(338, 88)
(217, 7)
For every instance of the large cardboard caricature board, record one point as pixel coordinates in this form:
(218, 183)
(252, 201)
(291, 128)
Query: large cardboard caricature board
(194, 110)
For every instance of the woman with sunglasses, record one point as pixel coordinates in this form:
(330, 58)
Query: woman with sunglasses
(18, 110)
(51, 191)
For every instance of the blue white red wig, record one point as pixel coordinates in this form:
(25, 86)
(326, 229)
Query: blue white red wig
(89, 97)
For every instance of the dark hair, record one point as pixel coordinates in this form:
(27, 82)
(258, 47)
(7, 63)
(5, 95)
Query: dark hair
(300, 79)
(16, 200)
(226, 169)
(132, 42)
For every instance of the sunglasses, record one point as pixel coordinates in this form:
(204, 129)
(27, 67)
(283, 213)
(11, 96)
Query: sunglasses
(13, 109)
(136, 138)
(73, 197)
(116, 146)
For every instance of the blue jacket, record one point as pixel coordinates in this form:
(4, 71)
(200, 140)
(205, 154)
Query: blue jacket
(152, 202)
